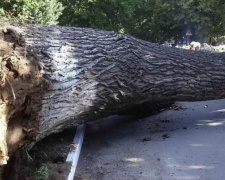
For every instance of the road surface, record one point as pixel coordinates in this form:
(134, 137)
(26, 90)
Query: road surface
(183, 144)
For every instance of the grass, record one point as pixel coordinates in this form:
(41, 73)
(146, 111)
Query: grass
(42, 173)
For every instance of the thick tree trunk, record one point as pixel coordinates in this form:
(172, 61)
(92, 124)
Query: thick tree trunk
(55, 77)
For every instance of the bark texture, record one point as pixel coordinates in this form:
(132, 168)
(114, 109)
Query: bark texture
(55, 77)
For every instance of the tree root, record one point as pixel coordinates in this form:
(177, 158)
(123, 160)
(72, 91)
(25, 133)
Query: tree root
(3, 145)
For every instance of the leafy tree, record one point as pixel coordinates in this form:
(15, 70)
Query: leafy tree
(204, 17)
(153, 20)
(32, 11)
(164, 25)
(208, 17)
(130, 16)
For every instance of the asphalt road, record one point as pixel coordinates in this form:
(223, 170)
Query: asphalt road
(183, 144)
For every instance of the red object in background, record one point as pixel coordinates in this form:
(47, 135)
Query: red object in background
(188, 33)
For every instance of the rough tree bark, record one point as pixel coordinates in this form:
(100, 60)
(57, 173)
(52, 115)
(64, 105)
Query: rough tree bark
(55, 77)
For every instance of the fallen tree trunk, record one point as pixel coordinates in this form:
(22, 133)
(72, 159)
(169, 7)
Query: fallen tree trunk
(55, 77)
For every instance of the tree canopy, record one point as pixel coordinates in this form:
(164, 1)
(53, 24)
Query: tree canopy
(152, 20)
(31, 11)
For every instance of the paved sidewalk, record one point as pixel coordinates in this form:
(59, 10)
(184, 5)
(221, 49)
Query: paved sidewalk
(184, 144)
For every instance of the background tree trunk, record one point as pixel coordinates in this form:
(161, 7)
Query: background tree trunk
(55, 77)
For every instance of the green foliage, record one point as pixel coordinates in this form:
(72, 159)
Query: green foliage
(205, 17)
(130, 16)
(153, 20)
(42, 173)
(164, 26)
(2, 12)
(27, 156)
(208, 17)
(32, 11)
(4, 5)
